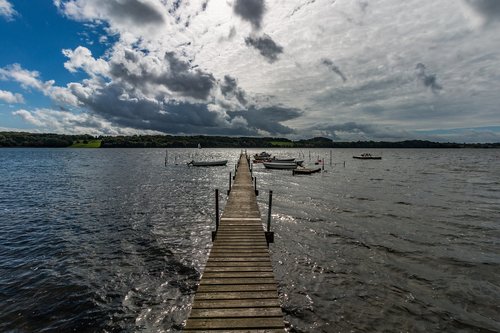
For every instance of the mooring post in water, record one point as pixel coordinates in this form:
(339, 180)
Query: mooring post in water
(269, 233)
(166, 157)
(255, 186)
(230, 178)
(214, 233)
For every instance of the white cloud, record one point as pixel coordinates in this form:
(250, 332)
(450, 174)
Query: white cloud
(11, 98)
(31, 80)
(52, 121)
(7, 11)
(81, 58)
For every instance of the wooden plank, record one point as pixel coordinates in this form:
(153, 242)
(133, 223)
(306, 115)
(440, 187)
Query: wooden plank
(252, 254)
(260, 294)
(238, 303)
(237, 313)
(266, 330)
(214, 269)
(215, 323)
(213, 275)
(238, 264)
(237, 280)
(236, 287)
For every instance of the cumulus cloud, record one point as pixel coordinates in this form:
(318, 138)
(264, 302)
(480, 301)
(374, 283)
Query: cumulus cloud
(229, 88)
(269, 119)
(334, 68)
(11, 98)
(266, 46)
(251, 11)
(31, 80)
(53, 121)
(81, 58)
(7, 11)
(429, 80)
(138, 17)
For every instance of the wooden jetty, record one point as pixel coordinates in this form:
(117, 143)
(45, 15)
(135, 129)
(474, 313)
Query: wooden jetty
(237, 291)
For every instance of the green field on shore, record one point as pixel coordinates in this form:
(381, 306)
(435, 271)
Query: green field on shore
(86, 144)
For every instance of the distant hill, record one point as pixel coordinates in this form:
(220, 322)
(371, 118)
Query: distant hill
(25, 139)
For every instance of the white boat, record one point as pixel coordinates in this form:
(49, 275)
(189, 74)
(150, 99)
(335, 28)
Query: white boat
(286, 160)
(279, 160)
(208, 163)
(280, 165)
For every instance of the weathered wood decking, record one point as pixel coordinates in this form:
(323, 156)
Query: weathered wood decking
(237, 292)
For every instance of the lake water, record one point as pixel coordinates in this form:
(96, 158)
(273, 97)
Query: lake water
(112, 240)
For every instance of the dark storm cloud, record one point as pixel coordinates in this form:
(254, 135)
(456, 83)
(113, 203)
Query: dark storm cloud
(489, 9)
(229, 88)
(334, 68)
(429, 80)
(268, 119)
(134, 10)
(250, 10)
(148, 114)
(266, 46)
(193, 83)
(180, 78)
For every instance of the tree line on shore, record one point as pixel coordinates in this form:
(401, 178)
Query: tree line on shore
(25, 139)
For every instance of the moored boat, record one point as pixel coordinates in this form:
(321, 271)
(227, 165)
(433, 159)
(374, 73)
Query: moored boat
(367, 156)
(208, 163)
(305, 171)
(262, 156)
(280, 165)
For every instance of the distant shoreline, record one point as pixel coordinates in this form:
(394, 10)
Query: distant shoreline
(49, 140)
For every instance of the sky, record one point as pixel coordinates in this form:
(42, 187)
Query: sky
(347, 70)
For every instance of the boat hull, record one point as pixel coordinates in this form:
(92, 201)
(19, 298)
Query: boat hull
(208, 163)
(280, 166)
(367, 157)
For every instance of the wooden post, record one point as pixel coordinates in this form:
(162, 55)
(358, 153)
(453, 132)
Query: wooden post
(255, 186)
(230, 178)
(166, 157)
(269, 211)
(214, 233)
(269, 233)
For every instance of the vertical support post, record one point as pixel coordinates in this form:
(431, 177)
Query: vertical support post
(269, 233)
(255, 186)
(323, 164)
(230, 178)
(269, 211)
(166, 157)
(214, 233)
(216, 209)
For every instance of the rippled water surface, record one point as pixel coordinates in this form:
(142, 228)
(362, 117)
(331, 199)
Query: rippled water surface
(112, 240)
